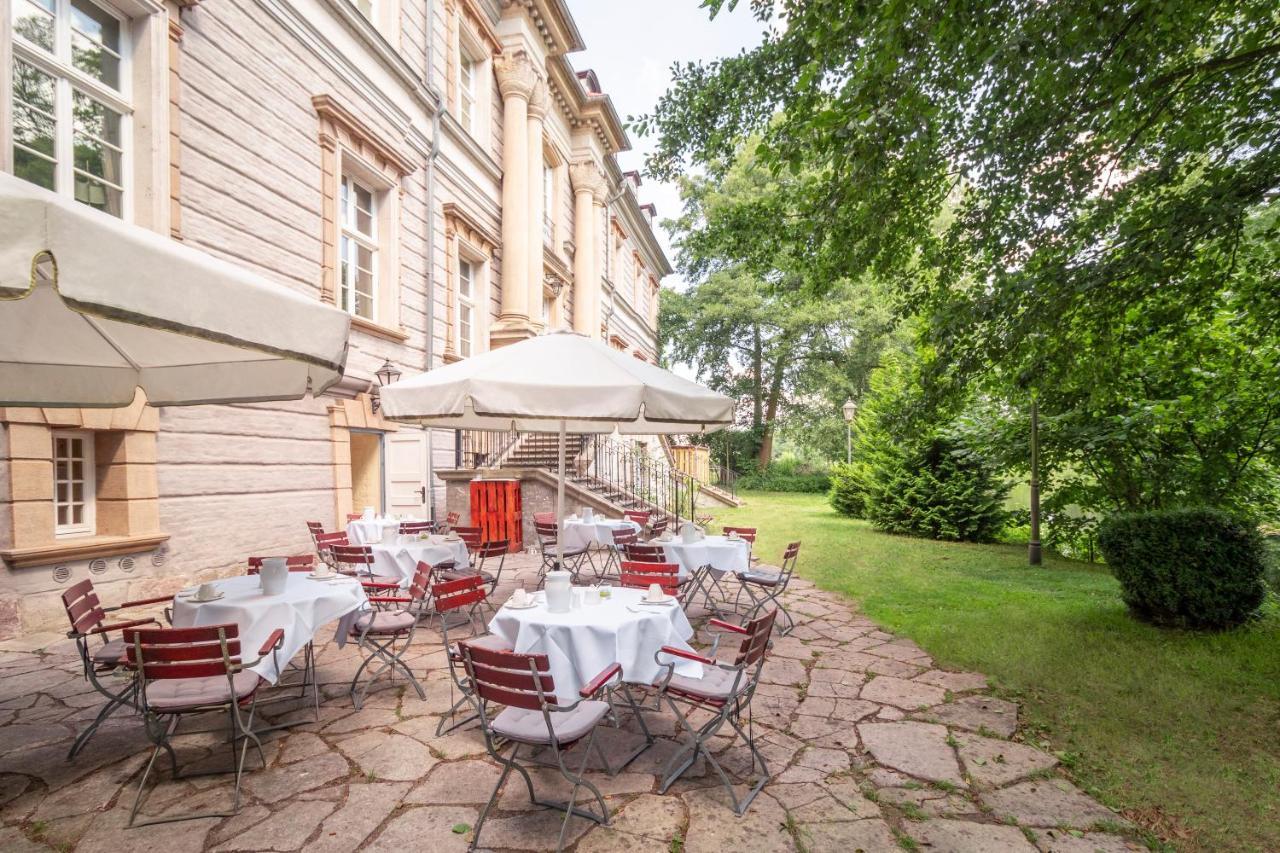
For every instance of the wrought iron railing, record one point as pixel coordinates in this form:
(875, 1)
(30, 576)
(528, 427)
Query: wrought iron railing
(480, 448)
(724, 479)
(627, 474)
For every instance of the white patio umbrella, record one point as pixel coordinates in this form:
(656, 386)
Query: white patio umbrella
(559, 382)
(93, 308)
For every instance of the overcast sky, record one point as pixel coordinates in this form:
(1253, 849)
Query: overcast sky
(631, 46)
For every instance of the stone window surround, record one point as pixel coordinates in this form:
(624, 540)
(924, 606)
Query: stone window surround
(349, 146)
(127, 499)
(470, 32)
(148, 168)
(466, 237)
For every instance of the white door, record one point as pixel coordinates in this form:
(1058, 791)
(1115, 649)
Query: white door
(407, 472)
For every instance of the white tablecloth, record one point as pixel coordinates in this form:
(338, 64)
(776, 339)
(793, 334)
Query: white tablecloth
(581, 643)
(360, 532)
(582, 534)
(401, 560)
(720, 552)
(304, 607)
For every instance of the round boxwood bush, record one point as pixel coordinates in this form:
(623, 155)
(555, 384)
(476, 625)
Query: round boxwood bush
(1190, 568)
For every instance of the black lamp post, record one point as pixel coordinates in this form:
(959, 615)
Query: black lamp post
(386, 375)
(1033, 547)
(850, 409)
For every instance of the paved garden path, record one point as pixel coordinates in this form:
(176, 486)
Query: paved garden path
(872, 748)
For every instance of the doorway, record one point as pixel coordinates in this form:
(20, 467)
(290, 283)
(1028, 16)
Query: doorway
(367, 471)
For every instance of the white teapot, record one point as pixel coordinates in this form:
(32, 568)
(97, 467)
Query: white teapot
(689, 533)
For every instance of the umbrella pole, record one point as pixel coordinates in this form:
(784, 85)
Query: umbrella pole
(560, 500)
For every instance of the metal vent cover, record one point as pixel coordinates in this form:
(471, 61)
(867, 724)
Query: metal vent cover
(127, 564)
(98, 566)
(62, 574)
(157, 559)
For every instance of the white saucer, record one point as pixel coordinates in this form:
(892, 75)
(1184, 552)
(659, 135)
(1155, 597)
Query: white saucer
(662, 602)
(529, 606)
(217, 595)
(329, 577)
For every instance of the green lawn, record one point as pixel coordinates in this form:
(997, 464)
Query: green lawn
(1180, 730)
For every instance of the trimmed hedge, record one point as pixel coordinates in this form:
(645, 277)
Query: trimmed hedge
(1187, 568)
(785, 475)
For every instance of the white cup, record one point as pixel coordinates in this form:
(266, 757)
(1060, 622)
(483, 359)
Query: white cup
(519, 598)
(655, 593)
(205, 592)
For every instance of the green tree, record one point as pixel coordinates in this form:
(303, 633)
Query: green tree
(1112, 171)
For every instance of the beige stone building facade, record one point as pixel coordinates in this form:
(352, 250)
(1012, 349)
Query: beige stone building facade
(438, 168)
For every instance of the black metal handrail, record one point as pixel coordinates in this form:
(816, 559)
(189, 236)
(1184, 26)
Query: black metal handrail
(629, 475)
(481, 448)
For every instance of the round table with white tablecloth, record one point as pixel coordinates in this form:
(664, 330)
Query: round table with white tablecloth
(400, 560)
(579, 533)
(370, 532)
(581, 643)
(720, 552)
(301, 610)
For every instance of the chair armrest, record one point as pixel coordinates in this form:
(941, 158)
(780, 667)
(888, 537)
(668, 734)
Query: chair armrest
(142, 602)
(380, 584)
(116, 626)
(728, 626)
(275, 641)
(687, 655)
(390, 599)
(593, 686)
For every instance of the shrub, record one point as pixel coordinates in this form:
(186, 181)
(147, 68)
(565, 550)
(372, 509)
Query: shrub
(848, 495)
(786, 475)
(936, 488)
(1192, 568)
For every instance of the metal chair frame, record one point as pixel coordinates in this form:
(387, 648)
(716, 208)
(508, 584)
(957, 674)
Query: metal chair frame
(622, 537)
(410, 528)
(502, 677)
(448, 596)
(548, 536)
(771, 592)
(729, 710)
(381, 645)
(88, 620)
(642, 575)
(159, 654)
(325, 543)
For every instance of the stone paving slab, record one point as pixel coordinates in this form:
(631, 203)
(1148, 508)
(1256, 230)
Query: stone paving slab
(869, 742)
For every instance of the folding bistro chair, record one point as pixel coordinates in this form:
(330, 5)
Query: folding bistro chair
(535, 719)
(658, 528)
(193, 671)
(102, 656)
(325, 543)
(451, 597)
(472, 537)
(639, 516)
(484, 555)
(414, 528)
(315, 528)
(354, 516)
(748, 535)
(385, 635)
(574, 558)
(642, 575)
(638, 552)
(296, 563)
(357, 561)
(766, 584)
(450, 520)
(622, 537)
(725, 691)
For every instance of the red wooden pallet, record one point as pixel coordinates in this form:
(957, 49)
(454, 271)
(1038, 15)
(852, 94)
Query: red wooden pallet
(496, 510)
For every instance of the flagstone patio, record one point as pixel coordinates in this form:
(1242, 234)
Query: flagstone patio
(872, 748)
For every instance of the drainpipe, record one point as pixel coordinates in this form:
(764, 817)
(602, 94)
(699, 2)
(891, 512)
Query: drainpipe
(431, 244)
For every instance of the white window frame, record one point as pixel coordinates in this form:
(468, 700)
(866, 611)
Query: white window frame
(67, 79)
(88, 479)
(468, 102)
(351, 238)
(548, 203)
(467, 303)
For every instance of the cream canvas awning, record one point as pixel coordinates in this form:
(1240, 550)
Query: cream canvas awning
(92, 308)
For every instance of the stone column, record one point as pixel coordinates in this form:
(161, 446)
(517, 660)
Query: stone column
(588, 196)
(537, 111)
(517, 78)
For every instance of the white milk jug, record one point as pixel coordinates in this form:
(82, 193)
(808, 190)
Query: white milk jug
(559, 592)
(275, 575)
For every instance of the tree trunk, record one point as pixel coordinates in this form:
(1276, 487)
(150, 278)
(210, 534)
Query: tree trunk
(771, 408)
(757, 375)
